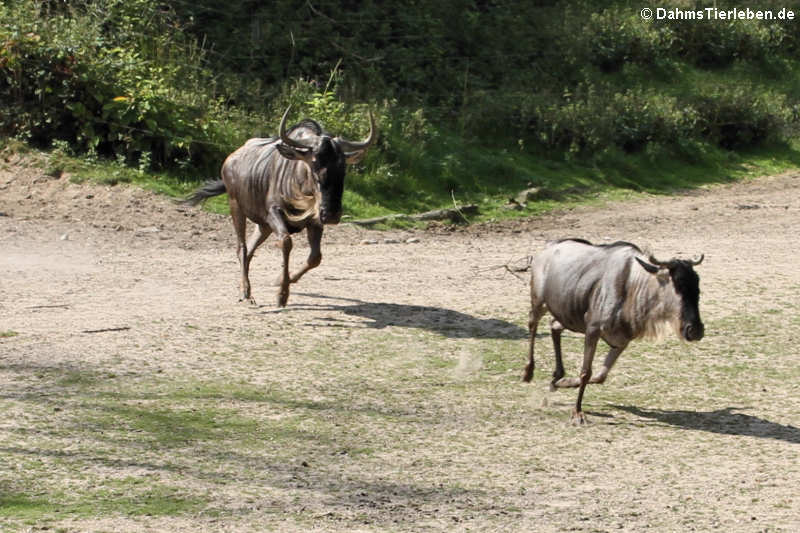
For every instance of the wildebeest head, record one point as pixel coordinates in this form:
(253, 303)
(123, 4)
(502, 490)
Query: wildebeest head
(327, 158)
(686, 284)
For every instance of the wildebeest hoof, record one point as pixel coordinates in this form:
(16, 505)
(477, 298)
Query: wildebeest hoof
(527, 375)
(283, 297)
(251, 301)
(578, 418)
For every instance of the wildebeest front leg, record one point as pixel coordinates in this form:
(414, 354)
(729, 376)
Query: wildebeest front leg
(314, 234)
(555, 334)
(611, 358)
(285, 244)
(259, 235)
(589, 347)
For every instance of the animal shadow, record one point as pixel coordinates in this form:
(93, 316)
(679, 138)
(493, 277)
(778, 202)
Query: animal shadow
(724, 421)
(446, 322)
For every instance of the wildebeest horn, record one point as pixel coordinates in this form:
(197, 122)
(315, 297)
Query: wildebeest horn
(350, 146)
(660, 264)
(647, 266)
(698, 261)
(671, 262)
(285, 138)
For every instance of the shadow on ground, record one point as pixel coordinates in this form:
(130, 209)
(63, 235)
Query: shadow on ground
(723, 421)
(446, 322)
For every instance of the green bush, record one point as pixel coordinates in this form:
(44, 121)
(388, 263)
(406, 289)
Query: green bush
(73, 77)
(129, 79)
(614, 37)
(717, 44)
(740, 117)
(594, 119)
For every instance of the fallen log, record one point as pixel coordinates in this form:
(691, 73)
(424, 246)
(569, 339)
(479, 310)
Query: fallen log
(451, 213)
(378, 220)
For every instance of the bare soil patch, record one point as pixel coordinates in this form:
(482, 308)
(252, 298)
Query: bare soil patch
(387, 395)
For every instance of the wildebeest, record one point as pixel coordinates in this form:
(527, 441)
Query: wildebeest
(610, 292)
(285, 184)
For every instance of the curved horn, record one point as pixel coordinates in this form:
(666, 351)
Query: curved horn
(350, 146)
(647, 266)
(697, 261)
(294, 143)
(661, 264)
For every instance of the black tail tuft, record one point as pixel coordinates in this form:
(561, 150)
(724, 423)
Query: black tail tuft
(210, 189)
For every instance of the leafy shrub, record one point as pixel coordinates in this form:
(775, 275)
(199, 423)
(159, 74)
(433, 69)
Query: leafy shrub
(613, 37)
(127, 79)
(719, 44)
(712, 45)
(594, 119)
(67, 80)
(638, 118)
(740, 117)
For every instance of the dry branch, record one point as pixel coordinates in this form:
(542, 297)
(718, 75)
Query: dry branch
(104, 330)
(523, 264)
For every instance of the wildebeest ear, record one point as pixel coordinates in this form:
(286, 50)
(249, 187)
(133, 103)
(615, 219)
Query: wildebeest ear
(647, 266)
(290, 152)
(351, 158)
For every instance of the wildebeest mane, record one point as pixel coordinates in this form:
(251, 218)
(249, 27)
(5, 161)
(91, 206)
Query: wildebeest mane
(648, 316)
(311, 124)
(298, 205)
(288, 180)
(608, 245)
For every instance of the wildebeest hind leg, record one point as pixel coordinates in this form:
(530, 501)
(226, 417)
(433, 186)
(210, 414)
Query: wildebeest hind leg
(240, 226)
(536, 313)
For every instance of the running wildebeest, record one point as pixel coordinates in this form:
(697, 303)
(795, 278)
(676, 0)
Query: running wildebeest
(285, 184)
(610, 292)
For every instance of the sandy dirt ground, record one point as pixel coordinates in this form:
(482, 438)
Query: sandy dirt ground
(122, 281)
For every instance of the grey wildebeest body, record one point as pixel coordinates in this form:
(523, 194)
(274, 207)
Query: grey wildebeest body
(611, 292)
(285, 184)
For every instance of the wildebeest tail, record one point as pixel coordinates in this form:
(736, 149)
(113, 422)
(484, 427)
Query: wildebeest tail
(210, 189)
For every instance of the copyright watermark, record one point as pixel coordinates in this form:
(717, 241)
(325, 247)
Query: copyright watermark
(713, 13)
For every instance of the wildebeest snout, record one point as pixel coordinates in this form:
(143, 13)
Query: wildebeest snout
(693, 332)
(328, 216)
